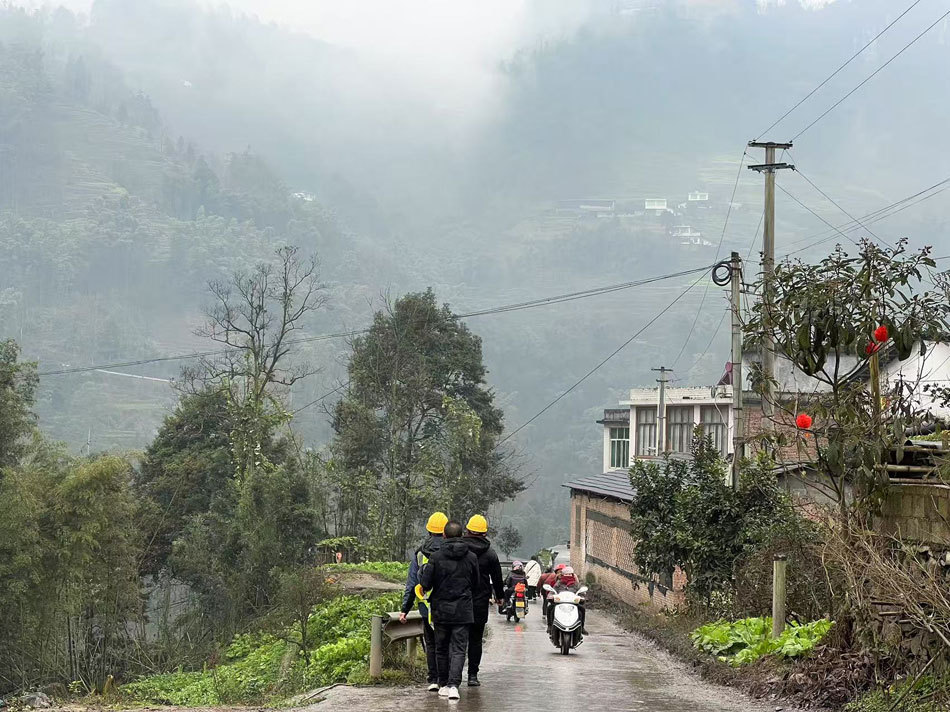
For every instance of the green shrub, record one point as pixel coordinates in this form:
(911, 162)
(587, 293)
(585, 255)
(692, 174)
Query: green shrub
(747, 640)
(339, 629)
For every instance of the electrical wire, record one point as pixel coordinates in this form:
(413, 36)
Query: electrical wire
(835, 73)
(833, 202)
(847, 237)
(874, 216)
(591, 372)
(544, 301)
(722, 236)
(869, 77)
(321, 398)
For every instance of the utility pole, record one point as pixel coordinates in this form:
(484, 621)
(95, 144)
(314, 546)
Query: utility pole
(661, 411)
(738, 419)
(768, 263)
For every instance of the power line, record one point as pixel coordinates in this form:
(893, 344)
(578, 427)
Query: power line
(833, 202)
(591, 372)
(870, 76)
(722, 236)
(835, 73)
(874, 216)
(544, 301)
(323, 397)
(847, 237)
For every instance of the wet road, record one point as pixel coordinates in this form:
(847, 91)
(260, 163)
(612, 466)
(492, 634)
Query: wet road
(612, 670)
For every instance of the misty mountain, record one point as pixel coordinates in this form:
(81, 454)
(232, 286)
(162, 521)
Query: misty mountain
(152, 146)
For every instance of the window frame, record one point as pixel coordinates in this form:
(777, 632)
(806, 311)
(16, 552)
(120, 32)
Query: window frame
(621, 451)
(647, 449)
(679, 431)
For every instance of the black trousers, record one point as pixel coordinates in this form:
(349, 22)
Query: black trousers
(428, 644)
(451, 641)
(532, 592)
(476, 637)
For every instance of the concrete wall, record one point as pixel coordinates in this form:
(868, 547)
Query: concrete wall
(917, 510)
(601, 545)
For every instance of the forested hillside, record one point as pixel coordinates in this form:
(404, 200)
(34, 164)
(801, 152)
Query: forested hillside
(151, 147)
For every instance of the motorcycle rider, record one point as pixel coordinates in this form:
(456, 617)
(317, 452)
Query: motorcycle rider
(567, 581)
(532, 570)
(515, 576)
(548, 578)
(490, 580)
(435, 526)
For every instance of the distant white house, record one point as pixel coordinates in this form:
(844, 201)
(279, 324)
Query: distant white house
(697, 199)
(306, 197)
(658, 204)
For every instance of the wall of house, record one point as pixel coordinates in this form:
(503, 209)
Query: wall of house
(796, 448)
(917, 510)
(932, 367)
(601, 545)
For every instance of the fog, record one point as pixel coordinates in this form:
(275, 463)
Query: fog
(437, 139)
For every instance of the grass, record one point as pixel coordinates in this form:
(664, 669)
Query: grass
(393, 571)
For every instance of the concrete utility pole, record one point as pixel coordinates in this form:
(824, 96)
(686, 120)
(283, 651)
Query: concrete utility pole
(768, 261)
(738, 419)
(661, 411)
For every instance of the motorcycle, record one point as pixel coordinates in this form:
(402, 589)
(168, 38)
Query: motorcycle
(516, 604)
(566, 629)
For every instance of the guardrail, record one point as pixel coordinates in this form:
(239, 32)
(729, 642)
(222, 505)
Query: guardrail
(387, 628)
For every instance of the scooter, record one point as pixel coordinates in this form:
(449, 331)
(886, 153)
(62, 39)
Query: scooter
(517, 603)
(566, 630)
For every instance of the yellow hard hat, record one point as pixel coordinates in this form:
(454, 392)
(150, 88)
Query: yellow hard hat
(436, 523)
(477, 524)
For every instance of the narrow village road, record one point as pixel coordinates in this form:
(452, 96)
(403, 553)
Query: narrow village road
(613, 670)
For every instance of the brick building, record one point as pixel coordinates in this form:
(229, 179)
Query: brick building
(601, 544)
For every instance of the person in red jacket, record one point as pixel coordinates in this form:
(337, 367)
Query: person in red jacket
(548, 578)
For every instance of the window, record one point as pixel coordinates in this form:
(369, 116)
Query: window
(620, 447)
(646, 431)
(679, 428)
(714, 426)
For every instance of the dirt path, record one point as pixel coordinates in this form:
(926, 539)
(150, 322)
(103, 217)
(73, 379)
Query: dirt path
(612, 670)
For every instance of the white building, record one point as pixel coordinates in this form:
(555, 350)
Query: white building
(631, 432)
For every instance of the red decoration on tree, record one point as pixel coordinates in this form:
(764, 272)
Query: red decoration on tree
(803, 421)
(880, 334)
(871, 348)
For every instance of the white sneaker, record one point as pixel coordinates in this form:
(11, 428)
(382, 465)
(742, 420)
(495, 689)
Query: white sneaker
(444, 692)
(453, 693)
(434, 687)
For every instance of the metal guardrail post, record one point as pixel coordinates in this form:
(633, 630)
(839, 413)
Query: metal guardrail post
(411, 647)
(376, 647)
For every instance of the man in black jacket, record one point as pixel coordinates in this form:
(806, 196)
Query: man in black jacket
(432, 542)
(451, 575)
(490, 579)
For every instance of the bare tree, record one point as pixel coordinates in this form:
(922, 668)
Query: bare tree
(255, 315)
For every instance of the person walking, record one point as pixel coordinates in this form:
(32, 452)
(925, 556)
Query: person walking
(532, 570)
(432, 543)
(451, 577)
(490, 581)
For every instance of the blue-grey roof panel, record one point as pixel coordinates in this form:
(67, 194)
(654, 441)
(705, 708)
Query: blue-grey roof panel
(614, 483)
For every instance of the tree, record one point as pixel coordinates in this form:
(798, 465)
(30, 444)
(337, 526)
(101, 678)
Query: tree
(508, 539)
(418, 427)
(825, 318)
(299, 591)
(18, 382)
(684, 515)
(252, 514)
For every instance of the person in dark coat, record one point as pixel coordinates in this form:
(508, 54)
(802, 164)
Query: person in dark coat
(490, 581)
(451, 576)
(427, 548)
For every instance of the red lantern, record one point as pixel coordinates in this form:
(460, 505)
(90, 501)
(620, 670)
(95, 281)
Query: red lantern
(803, 421)
(872, 348)
(880, 334)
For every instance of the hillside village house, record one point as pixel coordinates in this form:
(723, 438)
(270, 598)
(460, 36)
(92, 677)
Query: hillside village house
(600, 519)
